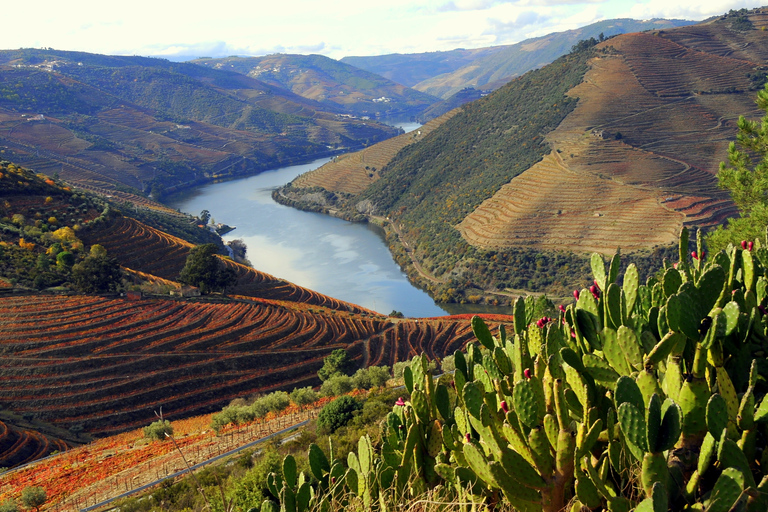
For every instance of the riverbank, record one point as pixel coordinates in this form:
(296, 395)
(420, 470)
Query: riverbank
(443, 291)
(346, 260)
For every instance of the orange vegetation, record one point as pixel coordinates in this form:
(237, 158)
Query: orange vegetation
(108, 467)
(107, 364)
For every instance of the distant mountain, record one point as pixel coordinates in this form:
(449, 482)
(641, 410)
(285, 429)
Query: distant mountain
(333, 84)
(139, 125)
(412, 68)
(446, 73)
(612, 146)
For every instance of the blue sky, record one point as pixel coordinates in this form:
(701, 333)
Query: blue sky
(335, 28)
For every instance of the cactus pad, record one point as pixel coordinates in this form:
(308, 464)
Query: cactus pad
(632, 423)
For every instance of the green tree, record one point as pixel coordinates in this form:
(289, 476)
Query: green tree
(337, 413)
(303, 396)
(338, 362)
(746, 180)
(337, 385)
(371, 377)
(204, 270)
(158, 430)
(205, 216)
(65, 259)
(33, 497)
(96, 274)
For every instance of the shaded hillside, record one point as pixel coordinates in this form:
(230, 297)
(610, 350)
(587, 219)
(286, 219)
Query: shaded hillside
(19, 445)
(412, 68)
(333, 84)
(137, 125)
(492, 70)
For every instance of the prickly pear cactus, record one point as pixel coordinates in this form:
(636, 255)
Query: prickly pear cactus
(646, 397)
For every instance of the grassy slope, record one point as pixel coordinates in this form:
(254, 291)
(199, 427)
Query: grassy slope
(432, 186)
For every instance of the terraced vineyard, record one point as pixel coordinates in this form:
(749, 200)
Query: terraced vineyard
(636, 160)
(435, 338)
(354, 172)
(106, 364)
(145, 249)
(551, 207)
(19, 446)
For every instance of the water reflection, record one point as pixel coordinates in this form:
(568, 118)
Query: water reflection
(344, 260)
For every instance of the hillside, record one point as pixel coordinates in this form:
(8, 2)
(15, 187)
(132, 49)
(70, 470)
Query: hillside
(352, 173)
(443, 74)
(138, 126)
(412, 68)
(79, 364)
(333, 84)
(635, 126)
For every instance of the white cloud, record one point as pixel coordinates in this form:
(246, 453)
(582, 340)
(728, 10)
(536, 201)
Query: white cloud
(349, 27)
(685, 10)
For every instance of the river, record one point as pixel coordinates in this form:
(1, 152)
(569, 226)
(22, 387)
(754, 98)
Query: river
(345, 260)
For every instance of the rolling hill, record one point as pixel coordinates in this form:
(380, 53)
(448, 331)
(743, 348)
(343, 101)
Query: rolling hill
(333, 84)
(612, 146)
(138, 125)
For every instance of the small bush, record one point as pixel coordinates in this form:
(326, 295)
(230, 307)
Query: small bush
(337, 414)
(398, 368)
(448, 364)
(303, 396)
(373, 376)
(337, 385)
(9, 506)
(158, 430)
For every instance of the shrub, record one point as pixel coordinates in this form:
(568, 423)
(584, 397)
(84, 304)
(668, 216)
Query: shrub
(303, 396)
(252, 487)
(398, 368)
(273, 402)
(373, 376)
(33, 497)
(158, 430)
(337, 385)
(9, 506)
(225, 417)
(448, 364)
(337, 413)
